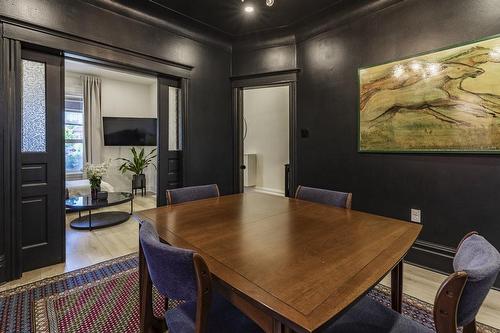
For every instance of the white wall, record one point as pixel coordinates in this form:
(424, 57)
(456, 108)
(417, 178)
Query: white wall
(127, 99)
(266, 111)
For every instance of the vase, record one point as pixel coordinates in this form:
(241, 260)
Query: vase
(94, 191)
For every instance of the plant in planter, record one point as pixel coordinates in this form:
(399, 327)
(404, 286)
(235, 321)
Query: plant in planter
(95, 173)
(139, 162)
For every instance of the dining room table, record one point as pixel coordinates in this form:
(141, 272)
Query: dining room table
(289, 265)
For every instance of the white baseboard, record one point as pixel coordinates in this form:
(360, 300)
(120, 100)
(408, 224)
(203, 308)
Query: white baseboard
(265, 190)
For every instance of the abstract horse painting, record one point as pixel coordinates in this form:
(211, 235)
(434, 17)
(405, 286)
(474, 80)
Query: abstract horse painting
(446, 101)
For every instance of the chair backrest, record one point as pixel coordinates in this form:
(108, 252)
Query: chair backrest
(327, 197)
(476, 265)
(171, 269)
(481, 261)
(192, 193)
(178, 273)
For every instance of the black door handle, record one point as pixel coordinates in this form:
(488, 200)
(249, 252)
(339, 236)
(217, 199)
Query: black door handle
(243, 167)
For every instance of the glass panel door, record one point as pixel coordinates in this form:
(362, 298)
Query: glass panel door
(33, 113)
(174, 119)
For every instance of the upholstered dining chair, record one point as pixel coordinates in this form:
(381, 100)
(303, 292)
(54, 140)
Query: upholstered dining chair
(457, 302)
(192, 193)
(183, 275)
(327, 197)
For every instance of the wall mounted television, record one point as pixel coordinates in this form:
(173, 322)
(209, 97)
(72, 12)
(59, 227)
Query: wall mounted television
(129, 131)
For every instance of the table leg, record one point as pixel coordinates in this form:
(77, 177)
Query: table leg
(90, 220)
(279, 327)
(131, 206)
(397, 287)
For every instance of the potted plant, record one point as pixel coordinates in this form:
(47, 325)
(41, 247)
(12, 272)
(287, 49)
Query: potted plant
(139, 162)
(95, 173)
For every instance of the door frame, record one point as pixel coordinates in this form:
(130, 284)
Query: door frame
(238, 85)
(12, 37)
(163, 85)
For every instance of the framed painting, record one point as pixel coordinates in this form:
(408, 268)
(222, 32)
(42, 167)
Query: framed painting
(443, 101)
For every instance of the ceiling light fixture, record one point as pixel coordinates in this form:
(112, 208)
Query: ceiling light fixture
(249, 9)
(269, 3)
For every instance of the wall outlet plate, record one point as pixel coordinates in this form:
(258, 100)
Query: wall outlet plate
(416, 215)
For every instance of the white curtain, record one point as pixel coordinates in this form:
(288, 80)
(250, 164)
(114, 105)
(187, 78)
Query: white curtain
(93, 119)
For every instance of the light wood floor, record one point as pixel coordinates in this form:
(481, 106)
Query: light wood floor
(84, 248)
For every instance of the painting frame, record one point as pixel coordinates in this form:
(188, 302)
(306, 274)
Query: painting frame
(443, 151)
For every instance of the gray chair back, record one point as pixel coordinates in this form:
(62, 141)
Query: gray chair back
(481, 261)
(327, 197)
(172, 269)
(192, 193)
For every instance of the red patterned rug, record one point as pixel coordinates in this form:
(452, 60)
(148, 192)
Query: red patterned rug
(105, 298)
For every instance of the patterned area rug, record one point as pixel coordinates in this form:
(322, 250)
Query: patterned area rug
(105, 298)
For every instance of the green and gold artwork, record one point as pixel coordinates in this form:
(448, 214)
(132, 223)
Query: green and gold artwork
(445, 101)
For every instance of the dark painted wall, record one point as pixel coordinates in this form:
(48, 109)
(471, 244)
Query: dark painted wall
(209, 121)
(456, 193)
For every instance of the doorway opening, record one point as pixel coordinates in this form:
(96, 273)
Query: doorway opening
(50, 130)
(266, 139)
(110, 119)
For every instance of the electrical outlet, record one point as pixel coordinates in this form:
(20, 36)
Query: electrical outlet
(416, 215)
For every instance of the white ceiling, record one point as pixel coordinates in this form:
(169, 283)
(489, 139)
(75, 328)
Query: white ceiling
(78, 68)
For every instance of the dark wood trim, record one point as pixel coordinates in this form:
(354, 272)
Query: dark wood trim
(11, 99)
(204, 292)
(63, 163)
(238, 139)
(293, 136)
(446, 303)
(265, 79)
(81, 47)
(108, 64)
(5, 237)
(162, 152)
(285, 78)
(185, 85)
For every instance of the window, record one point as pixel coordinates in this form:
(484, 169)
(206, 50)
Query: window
(74, 125)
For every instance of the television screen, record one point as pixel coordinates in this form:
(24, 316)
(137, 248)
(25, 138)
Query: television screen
(129, 131)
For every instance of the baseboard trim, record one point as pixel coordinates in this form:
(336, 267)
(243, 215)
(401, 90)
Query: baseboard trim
(435, 257)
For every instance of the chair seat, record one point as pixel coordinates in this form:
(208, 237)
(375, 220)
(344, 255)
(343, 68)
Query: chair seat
(369, 316)
(222, 317)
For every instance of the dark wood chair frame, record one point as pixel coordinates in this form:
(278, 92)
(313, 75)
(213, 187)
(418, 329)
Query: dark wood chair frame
(203, 296)
(348, 201)
(447, 300)
(169, 195)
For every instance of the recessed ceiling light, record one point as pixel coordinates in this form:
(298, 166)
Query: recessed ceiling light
(249, 9)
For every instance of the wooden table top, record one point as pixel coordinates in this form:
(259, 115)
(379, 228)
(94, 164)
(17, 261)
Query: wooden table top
(305, 262)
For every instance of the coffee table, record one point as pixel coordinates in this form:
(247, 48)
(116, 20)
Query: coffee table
(99, 220)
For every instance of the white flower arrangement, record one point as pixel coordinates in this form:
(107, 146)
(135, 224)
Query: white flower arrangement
(95, 173)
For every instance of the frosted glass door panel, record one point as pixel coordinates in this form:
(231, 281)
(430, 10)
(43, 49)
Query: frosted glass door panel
(174, 119)
(33, 107)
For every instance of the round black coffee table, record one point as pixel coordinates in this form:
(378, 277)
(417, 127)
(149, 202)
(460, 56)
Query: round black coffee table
(99, 220)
